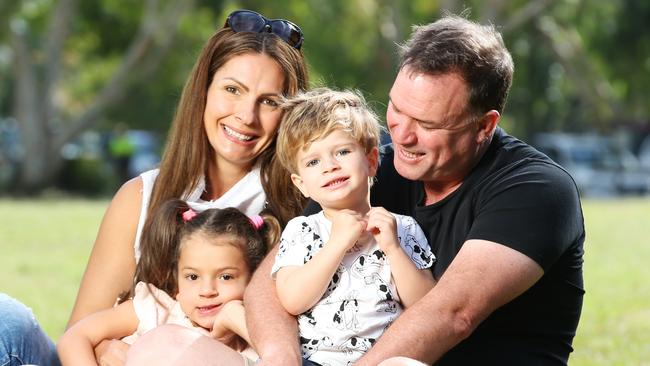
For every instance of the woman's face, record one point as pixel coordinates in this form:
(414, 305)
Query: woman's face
(241, 113)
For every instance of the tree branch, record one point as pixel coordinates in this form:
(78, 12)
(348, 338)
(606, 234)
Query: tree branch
(532, 10)
(156, 31)
(567, 46)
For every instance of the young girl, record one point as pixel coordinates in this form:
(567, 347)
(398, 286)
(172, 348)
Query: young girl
(193, 272)
(349, 269)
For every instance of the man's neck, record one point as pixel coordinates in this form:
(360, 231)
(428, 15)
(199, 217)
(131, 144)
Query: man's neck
(436, 193)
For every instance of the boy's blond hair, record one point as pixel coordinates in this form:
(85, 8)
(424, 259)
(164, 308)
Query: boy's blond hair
(313, 115)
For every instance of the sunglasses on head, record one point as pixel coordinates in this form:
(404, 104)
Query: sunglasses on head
(250, 21)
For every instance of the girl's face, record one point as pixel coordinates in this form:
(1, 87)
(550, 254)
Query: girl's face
(211, 272)
(241, 113)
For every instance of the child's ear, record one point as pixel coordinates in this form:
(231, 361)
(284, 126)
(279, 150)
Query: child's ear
(297, 181)
(373, 161)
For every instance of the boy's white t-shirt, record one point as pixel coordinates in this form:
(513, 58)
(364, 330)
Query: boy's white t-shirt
(361, 300)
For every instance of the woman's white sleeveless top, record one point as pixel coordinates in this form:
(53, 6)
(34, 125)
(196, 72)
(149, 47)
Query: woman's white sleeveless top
(247, 195)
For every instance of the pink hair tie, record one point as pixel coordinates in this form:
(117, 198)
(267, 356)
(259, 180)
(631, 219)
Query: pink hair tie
(257, 221)
(189, 215)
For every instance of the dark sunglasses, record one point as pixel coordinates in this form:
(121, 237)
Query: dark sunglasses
(250, 21)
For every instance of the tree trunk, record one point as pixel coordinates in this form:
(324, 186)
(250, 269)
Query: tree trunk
(42, 131)
(28, 111)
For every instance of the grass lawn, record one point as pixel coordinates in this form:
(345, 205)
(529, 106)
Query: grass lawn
(45, 245)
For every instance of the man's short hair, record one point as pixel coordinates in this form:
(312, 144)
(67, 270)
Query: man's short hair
(312, 115)
(476, 52)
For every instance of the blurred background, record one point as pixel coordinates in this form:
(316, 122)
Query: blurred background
(88, 88)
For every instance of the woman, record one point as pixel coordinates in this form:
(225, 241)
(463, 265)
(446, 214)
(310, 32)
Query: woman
(220, 153)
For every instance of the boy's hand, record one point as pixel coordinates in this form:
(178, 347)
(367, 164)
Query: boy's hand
(347, 228)
(383, 227)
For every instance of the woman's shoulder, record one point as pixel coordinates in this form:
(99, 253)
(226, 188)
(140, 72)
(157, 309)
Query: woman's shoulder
(124, 209)
(129, 194)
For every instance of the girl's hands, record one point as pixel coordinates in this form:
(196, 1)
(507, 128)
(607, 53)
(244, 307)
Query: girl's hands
(383, 227)
(222, 330)
(111, 352)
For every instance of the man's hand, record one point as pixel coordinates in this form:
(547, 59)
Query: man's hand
(111, 352)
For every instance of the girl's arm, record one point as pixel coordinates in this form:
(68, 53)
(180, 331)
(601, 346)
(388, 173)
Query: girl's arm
(300, 287)
(231, 318)
(111, 265)
(76, 346)
(411, 283)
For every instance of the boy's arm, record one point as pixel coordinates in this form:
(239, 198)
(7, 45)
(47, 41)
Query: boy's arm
(411, 282)
(300, 287)
(76, 346)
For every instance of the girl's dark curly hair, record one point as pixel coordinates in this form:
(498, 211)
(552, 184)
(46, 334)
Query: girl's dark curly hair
(163, 236)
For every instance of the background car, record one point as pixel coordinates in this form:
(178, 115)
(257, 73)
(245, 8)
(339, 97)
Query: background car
(599, 166)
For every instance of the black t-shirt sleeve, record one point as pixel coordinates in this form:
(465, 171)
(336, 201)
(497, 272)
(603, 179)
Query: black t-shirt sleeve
(531, 207)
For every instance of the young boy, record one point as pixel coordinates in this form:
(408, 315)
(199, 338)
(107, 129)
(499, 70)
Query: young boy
(347, 270)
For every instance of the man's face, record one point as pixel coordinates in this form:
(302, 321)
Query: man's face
(434, 138)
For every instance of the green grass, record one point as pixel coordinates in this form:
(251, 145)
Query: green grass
(615, 324)
(45, 245)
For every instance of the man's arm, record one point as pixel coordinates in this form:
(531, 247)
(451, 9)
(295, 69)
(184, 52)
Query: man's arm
(273, 331)
(483, 276)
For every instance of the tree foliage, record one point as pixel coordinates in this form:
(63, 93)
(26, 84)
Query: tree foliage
(68, 65)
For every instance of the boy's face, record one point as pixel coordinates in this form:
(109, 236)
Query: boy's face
(209, 275)
(334, 172)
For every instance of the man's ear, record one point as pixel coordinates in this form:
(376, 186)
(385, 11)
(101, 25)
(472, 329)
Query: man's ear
(487, 124)
(373, 161)
(297, 181)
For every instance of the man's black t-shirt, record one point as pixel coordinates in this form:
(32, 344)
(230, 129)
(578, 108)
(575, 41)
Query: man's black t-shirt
(518, 197)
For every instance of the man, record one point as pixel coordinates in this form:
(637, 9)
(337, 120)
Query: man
(504, 221)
